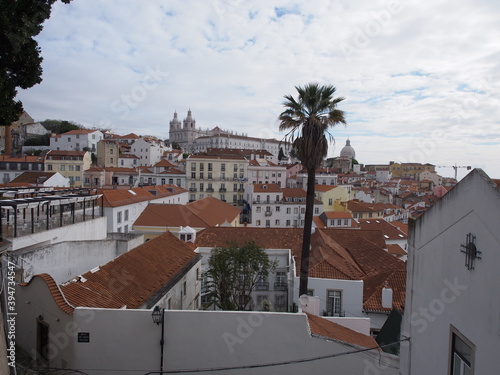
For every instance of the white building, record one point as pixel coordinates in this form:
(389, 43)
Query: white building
(262, 171)
(452, 308)
(148, 151)
(77, 140)
(274, 207)
(122, 207)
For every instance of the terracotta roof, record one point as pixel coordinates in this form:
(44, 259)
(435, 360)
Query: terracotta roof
(80, 131)
(337, 215)
(322, 327)
(116, 198)
(266, 188)
(128, 156)
(400, 225)
(358, 206)
(164, 163)
(22, 159)
(202, 213)
(135, 278)
(372, 290)
(54, 290)
(324, 188)
(396, 250)
(32, 177)
(390, 231)
(223, 157)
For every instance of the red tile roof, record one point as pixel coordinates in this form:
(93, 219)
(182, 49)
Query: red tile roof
(32, 177)
(390, 231)
(164, 163)
(322, 327)
(134, 279)
(117, 198)
(324, 188)
(80, 131)
(373, 285)
(266, 188)
(202, 213)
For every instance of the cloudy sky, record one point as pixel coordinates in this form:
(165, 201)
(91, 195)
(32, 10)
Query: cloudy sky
(420, 78)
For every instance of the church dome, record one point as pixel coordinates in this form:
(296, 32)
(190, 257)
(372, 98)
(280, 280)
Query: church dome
(348, 151)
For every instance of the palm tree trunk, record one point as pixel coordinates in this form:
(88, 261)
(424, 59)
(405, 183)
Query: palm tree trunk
(306, 239)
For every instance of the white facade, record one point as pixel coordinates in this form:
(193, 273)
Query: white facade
(193, 340)
(447, 300)
(121, 218)
(148, 151)
(76, 140)
(320, 179)
(262, 172)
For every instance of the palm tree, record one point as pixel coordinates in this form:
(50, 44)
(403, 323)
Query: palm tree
(307, 119)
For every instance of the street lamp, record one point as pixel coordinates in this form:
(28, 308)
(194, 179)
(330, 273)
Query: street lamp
(158, 317)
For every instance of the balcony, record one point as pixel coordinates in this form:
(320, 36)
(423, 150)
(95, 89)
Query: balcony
(210, 190)
(222, 190)
(262, 286)
(281, 286)
(193, 189)
(269, 213)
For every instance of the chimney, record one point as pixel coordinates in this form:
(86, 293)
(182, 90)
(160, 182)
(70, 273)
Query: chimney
(386, 297)
(8, 141)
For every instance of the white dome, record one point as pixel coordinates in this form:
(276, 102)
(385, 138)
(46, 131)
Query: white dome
(347, 151)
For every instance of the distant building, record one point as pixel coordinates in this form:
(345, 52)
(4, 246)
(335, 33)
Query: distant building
(11, 167)
(71, 164)
(76, 140)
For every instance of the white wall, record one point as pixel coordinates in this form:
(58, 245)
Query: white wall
(92, 229)
(129, 340)
(442, 292)
(65, 260)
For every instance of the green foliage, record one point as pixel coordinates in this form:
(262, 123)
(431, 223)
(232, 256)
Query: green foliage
(307, 120)
(176, 146)
(34, 152)
(42, 140)
(20, 59)
(60, 126)
(233, 272)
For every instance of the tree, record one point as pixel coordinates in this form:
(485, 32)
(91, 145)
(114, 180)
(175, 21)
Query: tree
(20, 59)
(233, 272)
(307, 120)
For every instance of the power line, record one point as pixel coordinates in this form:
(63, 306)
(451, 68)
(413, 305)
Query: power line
(274, 364)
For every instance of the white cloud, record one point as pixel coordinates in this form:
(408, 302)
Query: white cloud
(406, 69)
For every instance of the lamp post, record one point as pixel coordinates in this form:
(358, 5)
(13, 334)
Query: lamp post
(158, 317)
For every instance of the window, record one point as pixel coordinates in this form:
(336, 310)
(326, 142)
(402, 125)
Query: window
(268, 223)
(295, 210)
(316, 210)
(125, 216)
(288, 223)
(193, 166)
(70, 167)
(119, 217)
(346, 222)
(334, 303)
(277, 208)
(193, 175)
(184, 289)
(223, 167)
(201, 176)
(257, 223)
(339, 222)
(111, 151)
(77, 168)
(302, 210)
(258, 209)
(462, 354)
(209, 175)
(210, 166)
(63, 167)
(288, 210)
(202, 167)
(49, 167)
(330, 201)
(277, 222)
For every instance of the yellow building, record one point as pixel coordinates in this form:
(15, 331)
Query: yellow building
(409, 170)
(331, 196)
(108, 151)
(222, 177)
(70, 164)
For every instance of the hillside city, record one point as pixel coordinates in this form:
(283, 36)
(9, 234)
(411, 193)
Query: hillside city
(106, 243)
